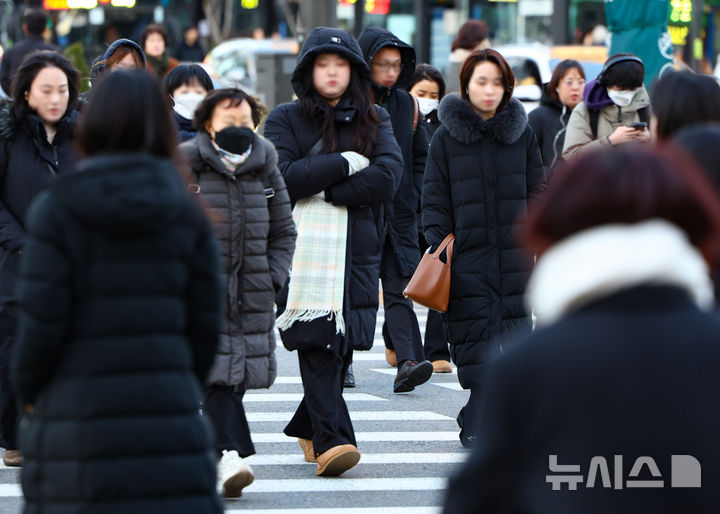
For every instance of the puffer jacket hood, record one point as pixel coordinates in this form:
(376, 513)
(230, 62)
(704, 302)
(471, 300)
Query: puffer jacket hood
(327, 40)
(373, 39)
(124, 194)
(115, 45)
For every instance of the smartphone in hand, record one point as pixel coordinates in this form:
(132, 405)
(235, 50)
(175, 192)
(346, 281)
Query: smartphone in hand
(639, 125)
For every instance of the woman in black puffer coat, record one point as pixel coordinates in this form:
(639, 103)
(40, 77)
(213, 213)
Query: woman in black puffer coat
(550, 118)
(483, 167)
(119, 317)
(36, 132)
(235, 171)
(334, 147)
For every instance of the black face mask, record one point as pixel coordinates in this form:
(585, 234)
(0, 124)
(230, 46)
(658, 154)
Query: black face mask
(234, 139)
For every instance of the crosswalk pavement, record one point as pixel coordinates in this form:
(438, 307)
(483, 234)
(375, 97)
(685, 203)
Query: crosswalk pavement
(409, 445)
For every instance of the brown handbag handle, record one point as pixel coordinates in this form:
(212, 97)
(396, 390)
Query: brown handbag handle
(445, 244)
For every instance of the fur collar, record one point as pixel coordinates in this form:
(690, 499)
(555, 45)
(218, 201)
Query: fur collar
(465, 125)
(603, 260)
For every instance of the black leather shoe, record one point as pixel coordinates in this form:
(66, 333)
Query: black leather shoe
(412, 374)
(349, 378)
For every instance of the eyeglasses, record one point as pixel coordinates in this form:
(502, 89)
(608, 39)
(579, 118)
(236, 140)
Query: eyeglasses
(571, 83)
(387, 66)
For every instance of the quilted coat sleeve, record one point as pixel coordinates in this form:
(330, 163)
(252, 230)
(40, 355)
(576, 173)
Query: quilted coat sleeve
(12, 234)
(304, 176)
(282, 234)
(44, 299)
(437, 210)
(376, 183)
(535, 171)
(204, 300)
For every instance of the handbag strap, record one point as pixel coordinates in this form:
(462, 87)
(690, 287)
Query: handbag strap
(442, 246)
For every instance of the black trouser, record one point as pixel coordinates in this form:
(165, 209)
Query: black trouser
(436, 346)
(322, 415)
(223, 405)
(401, 331)
(8, 401)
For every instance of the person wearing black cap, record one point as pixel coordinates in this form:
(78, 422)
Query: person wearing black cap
(340, 162)
(392, 66)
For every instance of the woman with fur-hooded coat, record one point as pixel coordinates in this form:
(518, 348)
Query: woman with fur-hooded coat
(483, 166)
(29, 161)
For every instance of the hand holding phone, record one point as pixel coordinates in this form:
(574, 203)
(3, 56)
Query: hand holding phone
(639, 125)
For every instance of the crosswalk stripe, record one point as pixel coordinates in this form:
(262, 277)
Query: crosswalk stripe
(412, 415)
(288, 380)
(367, 458)
(296, 397)
(10, 490)
(393, 371)
(368, 356)
(335, 510)
(449, 385)
(314, 485)
(368, 437)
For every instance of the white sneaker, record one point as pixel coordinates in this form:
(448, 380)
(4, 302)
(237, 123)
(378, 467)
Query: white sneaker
(233, 474)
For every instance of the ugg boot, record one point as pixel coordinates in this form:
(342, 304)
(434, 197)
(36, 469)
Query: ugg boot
(337, 460)
(307, 448)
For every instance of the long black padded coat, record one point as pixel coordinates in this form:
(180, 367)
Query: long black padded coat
(401, 213)
(28, 163)
(119, 301)
(257, 239)
(362, 193)
(478, 180)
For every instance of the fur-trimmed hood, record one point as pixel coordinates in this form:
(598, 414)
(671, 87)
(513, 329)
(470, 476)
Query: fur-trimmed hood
(466, 125)
(603, 260)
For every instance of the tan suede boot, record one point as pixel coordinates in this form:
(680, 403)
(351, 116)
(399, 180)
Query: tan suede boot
(337, 460)
(391, 357)
(307, 448)
(442, 366)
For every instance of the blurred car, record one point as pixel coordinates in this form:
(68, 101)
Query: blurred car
(533, 64)
(234, 62)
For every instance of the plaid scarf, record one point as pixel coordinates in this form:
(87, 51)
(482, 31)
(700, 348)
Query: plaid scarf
(317, 276)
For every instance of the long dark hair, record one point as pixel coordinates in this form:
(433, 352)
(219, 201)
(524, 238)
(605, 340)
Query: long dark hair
(493, 56)
(313, 106)
(428, 72)
(235, 96)
(138, 113)
(28, 71)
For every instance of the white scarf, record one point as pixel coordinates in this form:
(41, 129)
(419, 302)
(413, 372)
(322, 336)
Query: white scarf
(600, 261)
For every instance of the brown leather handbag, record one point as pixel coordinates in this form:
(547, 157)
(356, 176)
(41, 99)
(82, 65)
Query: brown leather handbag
(430, 284)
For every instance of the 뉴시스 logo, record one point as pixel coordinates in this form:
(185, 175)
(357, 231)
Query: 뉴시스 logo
(685, 472)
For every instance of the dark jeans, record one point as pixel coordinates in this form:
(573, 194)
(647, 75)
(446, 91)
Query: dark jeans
(322, 415)
(401, 331)
(223, 405)
(436, 346)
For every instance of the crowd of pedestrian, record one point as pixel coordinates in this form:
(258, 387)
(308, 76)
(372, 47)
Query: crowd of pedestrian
(155, 231)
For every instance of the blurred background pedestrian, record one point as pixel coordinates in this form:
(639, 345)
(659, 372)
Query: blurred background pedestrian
(189, 48)
(549, 120)
(472, 35)
(186, 85)
(154, 42)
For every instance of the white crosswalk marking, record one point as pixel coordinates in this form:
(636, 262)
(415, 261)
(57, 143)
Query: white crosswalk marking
(360, 510)
(357, 416)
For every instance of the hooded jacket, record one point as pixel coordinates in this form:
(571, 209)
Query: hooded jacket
(549, 122)
(362, 193)
(479, 179)
(28, 164)
(119, 318)
(14, 56)
(257, 239)
(401, 213)
(98, 68)
(579, 137)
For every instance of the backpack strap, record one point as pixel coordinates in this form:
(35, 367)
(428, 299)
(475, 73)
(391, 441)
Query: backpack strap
(644, 114)
(594, 117)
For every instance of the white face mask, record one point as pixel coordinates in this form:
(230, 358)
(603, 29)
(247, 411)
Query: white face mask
(622, 98)
(427, 105)
(186, 104)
